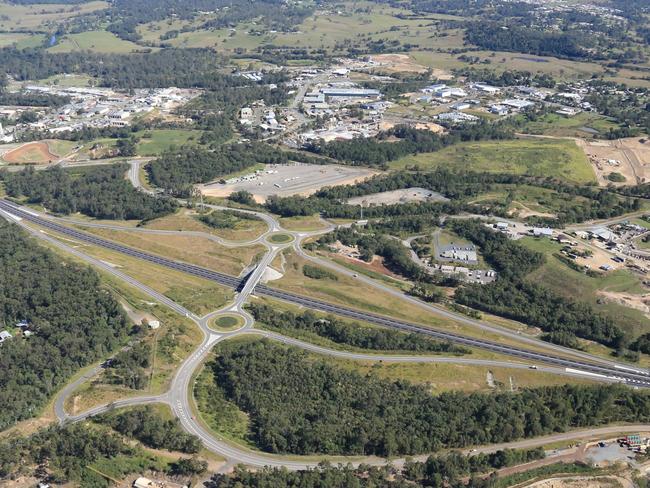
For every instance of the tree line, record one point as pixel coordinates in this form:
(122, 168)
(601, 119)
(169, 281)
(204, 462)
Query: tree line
(100, 192)
(447, 470)
(302, 405)
(348, 333)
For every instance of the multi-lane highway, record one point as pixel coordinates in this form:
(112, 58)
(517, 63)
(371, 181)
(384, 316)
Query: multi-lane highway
(632, 376)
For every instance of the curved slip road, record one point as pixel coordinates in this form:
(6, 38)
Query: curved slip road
(610, 369)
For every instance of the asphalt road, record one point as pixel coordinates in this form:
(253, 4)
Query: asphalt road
(180, 400)
(608, 369)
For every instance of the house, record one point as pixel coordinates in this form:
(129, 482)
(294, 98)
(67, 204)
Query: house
(246, 113)
(4, 335)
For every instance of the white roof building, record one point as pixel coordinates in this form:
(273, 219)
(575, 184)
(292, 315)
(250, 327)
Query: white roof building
(485, 88)
(4, 335)
(518, 103)
(542, 231)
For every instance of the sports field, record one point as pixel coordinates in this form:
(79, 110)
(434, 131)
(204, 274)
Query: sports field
(537, 157)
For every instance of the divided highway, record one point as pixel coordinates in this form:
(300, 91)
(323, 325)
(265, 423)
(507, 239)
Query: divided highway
(631, 376)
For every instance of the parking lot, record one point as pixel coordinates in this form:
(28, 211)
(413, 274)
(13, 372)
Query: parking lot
(287, 180)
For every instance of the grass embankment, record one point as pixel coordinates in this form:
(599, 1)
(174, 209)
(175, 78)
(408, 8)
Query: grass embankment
(537, 157)
(187, 220)
(194, 250)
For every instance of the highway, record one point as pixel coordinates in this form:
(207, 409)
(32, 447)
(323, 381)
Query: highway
(180, 399)
(632, 376)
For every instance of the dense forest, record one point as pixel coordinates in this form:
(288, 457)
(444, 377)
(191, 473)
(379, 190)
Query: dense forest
(448, 471)
(513, 296)
(301, 405)
(100, 192)
(499, 37)
(74, 322)
(348, 333)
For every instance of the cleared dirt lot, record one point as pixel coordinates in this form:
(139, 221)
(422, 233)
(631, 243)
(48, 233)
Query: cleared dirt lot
(32, 152)
(629, 157)
(287, 180)
(398, 196)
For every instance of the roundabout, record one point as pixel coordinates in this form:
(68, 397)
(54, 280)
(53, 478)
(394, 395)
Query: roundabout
(226, 323)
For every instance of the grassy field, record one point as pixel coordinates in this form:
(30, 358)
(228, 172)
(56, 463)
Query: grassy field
(560, 278)
(97, 41)
(440, 377)
(21, 40)
(185, 219)
(308, 223)
(195, 250)
(538, 157)
(150, 143)
(226, 323)
(525, 200)
(161, 140)
(584, 124)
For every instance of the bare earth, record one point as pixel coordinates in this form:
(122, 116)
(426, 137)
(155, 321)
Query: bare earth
(404, 63)
(32, 152)
(628, 156)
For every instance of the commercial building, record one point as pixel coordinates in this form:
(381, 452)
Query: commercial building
(518, 103)
(350, 92)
